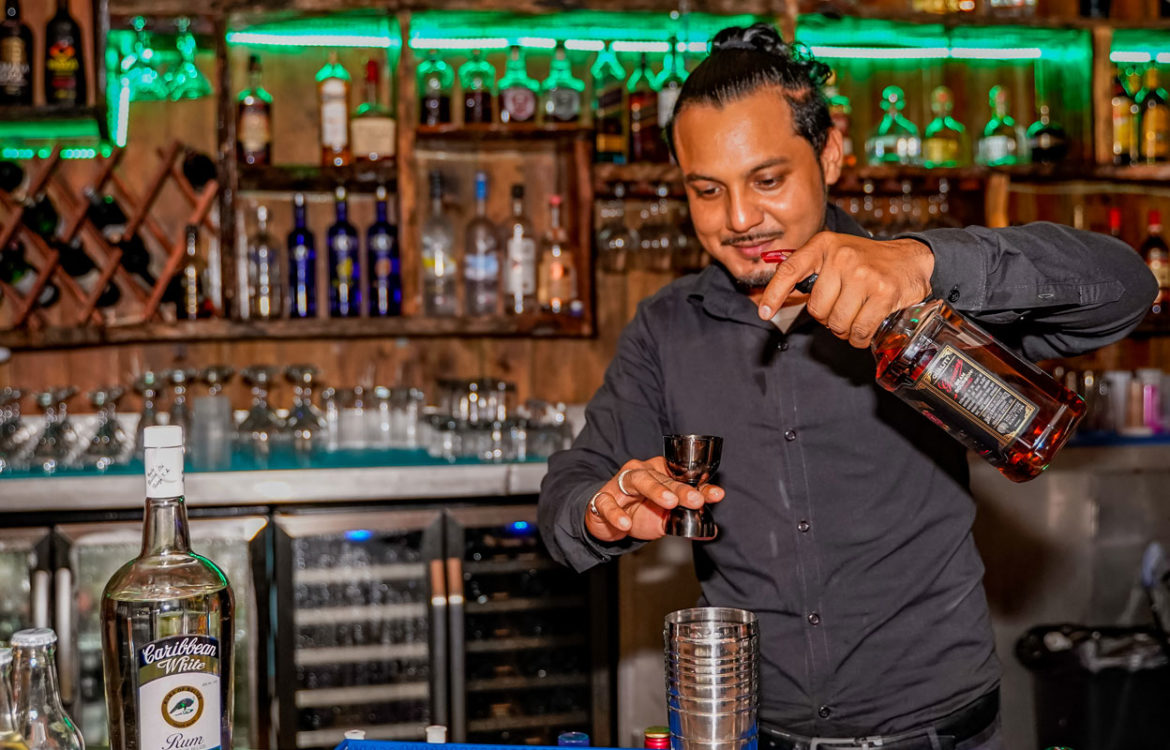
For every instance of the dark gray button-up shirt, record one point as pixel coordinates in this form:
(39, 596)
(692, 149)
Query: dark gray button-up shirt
(847, 521)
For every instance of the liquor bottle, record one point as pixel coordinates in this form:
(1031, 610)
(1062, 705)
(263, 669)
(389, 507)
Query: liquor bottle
(193, 302)
(11, 176)
(373, 129)
(517, 89)
(385, 262)
(21, 276)
(64, 75)
(608, 108)
(1154, 138)
(520, 254)
(1012, 8)
(1047, 141)
(254, 119)
(77, 263)
(167, 624)
(40, 717)
(557, 286)
(481, 257)
(40, 215)
(1153, 250)
(265, 287)
(333, 101)
(302, 264)
(439, 270)
(477, 78)
(895, 140)
(345, 297)
(646, 142)
(669, 83)
(841, 112)
(562, 92)
(10, 738)
(16, 54)
(1001, 144)
(434, 84)
(1126, 116)
(945, 144)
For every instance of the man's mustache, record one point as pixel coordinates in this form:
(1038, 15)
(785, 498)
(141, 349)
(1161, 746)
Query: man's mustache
(750, 239)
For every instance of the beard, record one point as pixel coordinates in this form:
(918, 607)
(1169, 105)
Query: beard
(755, 279)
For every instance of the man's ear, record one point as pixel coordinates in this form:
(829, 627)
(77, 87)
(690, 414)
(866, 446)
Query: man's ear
(831, 156)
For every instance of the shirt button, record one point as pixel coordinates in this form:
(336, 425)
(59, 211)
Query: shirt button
(824, 712)
(790, 435)
(803, 526)
(814, 619)
(783, 346)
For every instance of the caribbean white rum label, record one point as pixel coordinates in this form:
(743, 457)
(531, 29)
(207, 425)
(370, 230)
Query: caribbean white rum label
(178, 694)
(986, 400)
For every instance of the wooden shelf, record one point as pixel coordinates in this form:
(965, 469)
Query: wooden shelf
(501, 132)
(22, 113)
(307, 178)
(536, 325)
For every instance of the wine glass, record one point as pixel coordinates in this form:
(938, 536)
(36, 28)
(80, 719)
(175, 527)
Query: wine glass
(14, 434)
(109, 440)
(139, 69)
(58, 438)
(186, 82)
(305, 422)
(691, 459)
(180, 410)
(262, 426)
(146, 385)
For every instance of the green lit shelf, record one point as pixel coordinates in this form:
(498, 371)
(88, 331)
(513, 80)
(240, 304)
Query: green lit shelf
(502, 132)
(530, 325)
(41, 114)
(364, 176)
(976, 20)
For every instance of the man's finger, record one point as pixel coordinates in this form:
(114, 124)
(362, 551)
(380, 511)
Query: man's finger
(799, 265)
(611, 512)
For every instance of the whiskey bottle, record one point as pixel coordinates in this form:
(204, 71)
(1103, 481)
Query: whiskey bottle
(1001, 144)
(167, 625)
(608, 106)
(254, 119)
(373, 128)
(562, 92)
(64, 74)
(1125, 118)
(40, 717)
(16, 54)
(191, 300)
(477, 78)
(434, 85)
(517, 90)
(1047, 141)
(333, 103)
(946, 138)
(1154, 134)
(646, 144)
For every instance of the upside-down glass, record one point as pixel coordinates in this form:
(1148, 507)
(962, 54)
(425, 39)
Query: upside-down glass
(262, 427)
(147, 385)
(107, 446)
(306, 424)
(13, 433)
(57, 440)
(186, 82)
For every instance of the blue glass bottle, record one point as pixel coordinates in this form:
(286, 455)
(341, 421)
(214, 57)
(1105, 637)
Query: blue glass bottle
(384, 260)
(302, 264)
(345, 294)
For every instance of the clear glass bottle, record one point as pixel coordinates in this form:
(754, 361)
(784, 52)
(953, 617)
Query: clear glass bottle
(562, 92)
(384, 259)
(345, 295)
(609, 77)
(481, 256)
(945, 144)
(193, 302)
(520, 258)
(40, 717)
(302, 264)
(265, 285)
(895, 140)
(1001, 144)
(167, 625)
(254, 119)
(1126, 118)
(477, 78)
(333, 105)
(841, 112)
(440, 273)
(517, 90)
(372, 127)
(1047, 141)
(669, 83)
(557, 286)
(617, 241)
(10, 737)
(1155, 119)
(645, 144)
(435, 79)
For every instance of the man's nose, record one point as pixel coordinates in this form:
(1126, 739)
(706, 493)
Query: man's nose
(742, 212)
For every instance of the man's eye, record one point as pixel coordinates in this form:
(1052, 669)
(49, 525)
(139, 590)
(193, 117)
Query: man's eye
(705, 192)
(769, 182)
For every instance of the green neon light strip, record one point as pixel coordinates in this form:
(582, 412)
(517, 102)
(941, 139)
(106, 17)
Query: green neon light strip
(122, 114)
(277, 39)
(1130, 57)
(1163, 58)
(982, 53)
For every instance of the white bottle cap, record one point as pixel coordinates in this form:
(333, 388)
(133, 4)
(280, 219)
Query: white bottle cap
(436, 734)
(163, 456)
(5, 657)
(34, 637)
(355, 734)
(163, 436)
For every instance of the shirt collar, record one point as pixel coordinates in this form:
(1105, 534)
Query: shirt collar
(716, 291)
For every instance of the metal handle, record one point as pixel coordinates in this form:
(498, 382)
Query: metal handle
(458, 650)
(40, 599)
(66, 645)
(438, 643)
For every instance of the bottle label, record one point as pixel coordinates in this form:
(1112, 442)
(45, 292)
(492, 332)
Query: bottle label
(485, 267)
(940, 152)
(14, 69)
(563, 105)
(996, 149)
(1159, 265)
(1156, 133)
(62, 66)
(982, 399)
(179, 694)
(334, 115)
(518, 103)
(255, 132)
(521, 266)
(1123, 122)
(374, 136)
(666, 99)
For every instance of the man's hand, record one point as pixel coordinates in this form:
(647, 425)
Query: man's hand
(859, 281)
(638, 499)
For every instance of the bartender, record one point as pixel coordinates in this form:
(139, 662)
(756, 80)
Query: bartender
(844, 516)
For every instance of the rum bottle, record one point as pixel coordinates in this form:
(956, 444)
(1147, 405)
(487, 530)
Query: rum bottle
(517, 90)
(561, 92)
(1001, 144)
(40, 717)
(384, 261)
(373, 129)
(646, 142)
(16, 54)
(254, 119)
(557, 287)
(481, 257)
(434, 85)
(609, 143)
(64, 74)
(345, 296)
(167, 625)
(945, 144)
(1154, 135)
(1154, 252)
(477, 78)
(333, 104)
(895, 140)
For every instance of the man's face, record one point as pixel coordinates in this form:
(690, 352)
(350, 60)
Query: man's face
(752, 183)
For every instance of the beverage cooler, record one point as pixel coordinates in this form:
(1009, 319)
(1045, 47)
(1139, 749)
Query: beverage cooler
(54, 577)
(390, 620)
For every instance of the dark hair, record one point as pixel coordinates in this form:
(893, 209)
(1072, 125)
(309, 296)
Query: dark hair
(743, 60)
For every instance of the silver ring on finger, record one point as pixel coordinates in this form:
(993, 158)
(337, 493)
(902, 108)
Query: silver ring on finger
(593, 504)
(620, 478)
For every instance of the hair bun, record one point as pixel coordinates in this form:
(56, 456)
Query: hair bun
(759, 37)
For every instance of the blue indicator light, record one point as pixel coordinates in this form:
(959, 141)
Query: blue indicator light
(520, 526)
(359, 535)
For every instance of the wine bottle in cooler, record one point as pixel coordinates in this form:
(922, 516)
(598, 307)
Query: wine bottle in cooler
(167, 625)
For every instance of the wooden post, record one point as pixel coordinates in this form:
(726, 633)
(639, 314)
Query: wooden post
(1102, 91)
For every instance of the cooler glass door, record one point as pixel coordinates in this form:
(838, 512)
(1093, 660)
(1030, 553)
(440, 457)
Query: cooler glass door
(25, 580)
(87, 555)
(528, 654)
(360, 625)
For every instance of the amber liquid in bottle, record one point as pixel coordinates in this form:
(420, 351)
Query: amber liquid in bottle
(1001, 406)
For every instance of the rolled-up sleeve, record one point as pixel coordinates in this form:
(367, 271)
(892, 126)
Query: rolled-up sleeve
(623, 421)
(1046, 289)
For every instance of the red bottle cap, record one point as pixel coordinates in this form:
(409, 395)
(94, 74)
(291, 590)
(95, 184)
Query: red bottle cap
(1155, 218)
(657, 738)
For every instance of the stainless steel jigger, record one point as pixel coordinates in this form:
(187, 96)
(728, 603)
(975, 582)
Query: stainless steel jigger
(691, 459)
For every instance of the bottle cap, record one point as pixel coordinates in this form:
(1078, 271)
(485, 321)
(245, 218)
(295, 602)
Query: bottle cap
(34, 637)
(163, 436)
(436, 734)
(355, 734)
(5, 657)
(573, 739)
